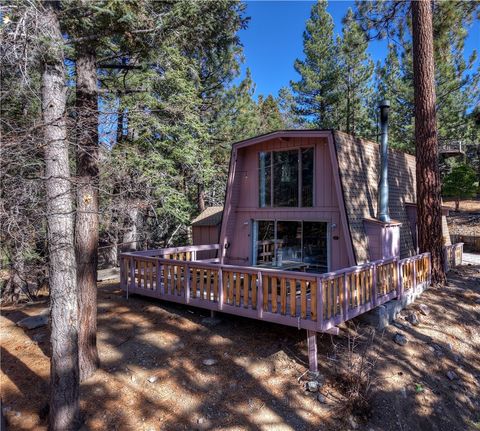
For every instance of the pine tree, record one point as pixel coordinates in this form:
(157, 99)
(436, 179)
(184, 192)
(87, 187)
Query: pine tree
(270, 117)
(317, 91)
(355, 79)
(287, 106)
(392, 85)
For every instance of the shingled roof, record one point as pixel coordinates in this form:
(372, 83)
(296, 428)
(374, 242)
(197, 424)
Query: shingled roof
(359, 163)
(211, 216)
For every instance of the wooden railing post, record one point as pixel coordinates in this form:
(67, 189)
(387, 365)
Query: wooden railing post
(123, 273)
(220, 288)
(320, 323)
(186, 278)
(429, 269)
(132, 274)
(375, 286)
(158, 283)
(400, 289)
(260, 295)
(346, 297)
(415, 275)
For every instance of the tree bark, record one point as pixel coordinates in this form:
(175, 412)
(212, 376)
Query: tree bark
(87, 225)
(429, 214)
(200, 198)
(64, 373)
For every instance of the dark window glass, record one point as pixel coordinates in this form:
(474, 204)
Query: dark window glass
(265, 178)
(265, 242)
(289, 242)
(307, 177)
(315, 246)
(285, 183)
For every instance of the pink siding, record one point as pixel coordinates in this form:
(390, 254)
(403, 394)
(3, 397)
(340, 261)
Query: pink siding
(244, 201)
(383, 239)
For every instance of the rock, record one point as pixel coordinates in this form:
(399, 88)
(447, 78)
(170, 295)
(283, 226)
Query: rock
(424, 309)
(398, 325)
(211, 321)
(353, 422)
(133, 378)
(413, 319)
(431, 348)
(33, 322)
(452, 375)
(322, 399)
(450, 347)
(38, 337)
(200, 420)
(152, 379)
(209, 362)
(400, 339)
(312, 386)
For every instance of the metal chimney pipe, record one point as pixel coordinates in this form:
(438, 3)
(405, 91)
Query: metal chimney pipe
(383, 214)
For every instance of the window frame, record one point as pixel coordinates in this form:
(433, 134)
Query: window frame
(255, 229)
(300, 177)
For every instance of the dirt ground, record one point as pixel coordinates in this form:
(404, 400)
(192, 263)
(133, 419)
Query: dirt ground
(153, 376)
(467, 205)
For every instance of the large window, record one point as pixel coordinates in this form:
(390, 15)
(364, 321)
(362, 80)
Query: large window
(298, 245)
(286, 178)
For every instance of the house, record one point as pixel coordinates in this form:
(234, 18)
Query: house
(318, 227)
(308, 200)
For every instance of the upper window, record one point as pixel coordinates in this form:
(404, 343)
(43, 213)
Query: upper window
(286, 178)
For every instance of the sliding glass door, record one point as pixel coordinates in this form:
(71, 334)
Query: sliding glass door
(296, 244)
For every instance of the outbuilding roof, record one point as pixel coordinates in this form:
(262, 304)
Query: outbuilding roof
(211, 216)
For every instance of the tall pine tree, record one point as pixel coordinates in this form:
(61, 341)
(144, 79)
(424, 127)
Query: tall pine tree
(317, 91)
(355, 79)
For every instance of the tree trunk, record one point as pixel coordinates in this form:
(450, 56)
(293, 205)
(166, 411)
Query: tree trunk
(429, 212)
(86, 229)
(200, 198)
(64, 373)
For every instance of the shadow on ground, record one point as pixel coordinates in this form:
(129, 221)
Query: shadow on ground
(153, 375)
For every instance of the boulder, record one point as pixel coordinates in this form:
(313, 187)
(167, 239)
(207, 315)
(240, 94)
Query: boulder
(33, 322)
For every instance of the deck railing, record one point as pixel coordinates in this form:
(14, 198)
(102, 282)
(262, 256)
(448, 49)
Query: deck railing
(316, 302)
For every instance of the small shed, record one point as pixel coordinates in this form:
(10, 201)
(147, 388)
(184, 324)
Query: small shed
(206, 226)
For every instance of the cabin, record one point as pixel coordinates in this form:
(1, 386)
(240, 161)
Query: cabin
(317, 227)
(307, 200)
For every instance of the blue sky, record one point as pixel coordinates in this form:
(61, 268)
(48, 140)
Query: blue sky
(273, 40)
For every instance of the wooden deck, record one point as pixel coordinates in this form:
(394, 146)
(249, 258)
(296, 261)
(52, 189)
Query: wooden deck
(315, 302)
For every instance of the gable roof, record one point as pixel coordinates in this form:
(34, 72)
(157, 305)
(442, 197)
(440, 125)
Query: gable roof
(211, 216)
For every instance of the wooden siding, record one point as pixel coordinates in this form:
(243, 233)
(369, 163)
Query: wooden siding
(245, 208)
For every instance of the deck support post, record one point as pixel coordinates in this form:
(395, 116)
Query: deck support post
(212, 314)
(312, 351)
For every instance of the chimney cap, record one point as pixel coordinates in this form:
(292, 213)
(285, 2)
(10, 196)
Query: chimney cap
(384, 104)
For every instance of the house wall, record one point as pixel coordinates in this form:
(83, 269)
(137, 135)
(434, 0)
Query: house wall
(244, 201)
(202, 235)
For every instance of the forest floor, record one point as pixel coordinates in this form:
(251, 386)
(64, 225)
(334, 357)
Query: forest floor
(155, 373)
